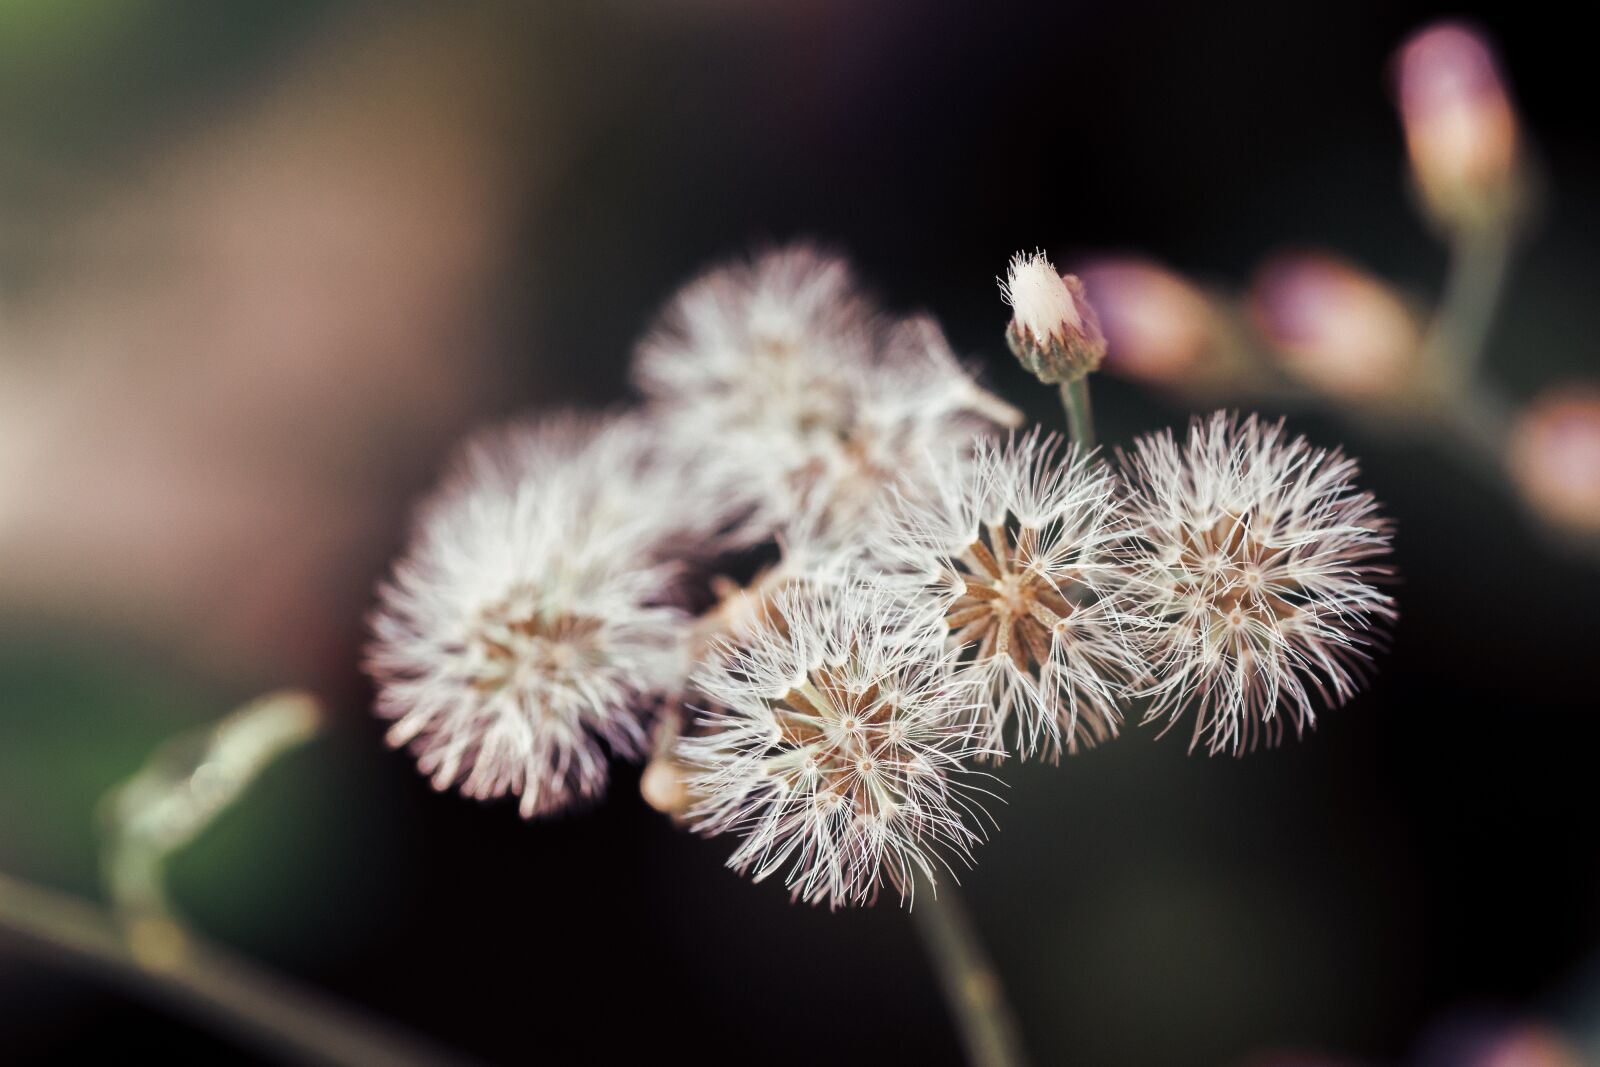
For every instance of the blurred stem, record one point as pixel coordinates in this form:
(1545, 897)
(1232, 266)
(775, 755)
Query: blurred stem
(159, 960)
(1080, 420)
(968, 979)
(1480, 257)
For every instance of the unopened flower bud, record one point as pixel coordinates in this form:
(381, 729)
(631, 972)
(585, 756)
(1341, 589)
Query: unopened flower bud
(1053, 331)
(1159, 328)
(1336, 328)
(1555, 457)
(1461, 131)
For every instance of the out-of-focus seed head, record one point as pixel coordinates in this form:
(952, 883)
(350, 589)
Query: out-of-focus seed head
(1053, 332)
(531, 623)
(807, 401)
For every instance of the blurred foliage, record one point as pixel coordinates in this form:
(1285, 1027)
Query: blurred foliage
(75, 721)
(283, 871)
(149, 57)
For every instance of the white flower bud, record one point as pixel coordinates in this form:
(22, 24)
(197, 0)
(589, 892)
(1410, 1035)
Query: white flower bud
(1053, 331)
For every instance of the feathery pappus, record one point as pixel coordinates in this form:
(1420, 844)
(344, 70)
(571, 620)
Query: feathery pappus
(806, 395)
(1019, 551)
(833, 745)
(1254, 572)
(533, 617)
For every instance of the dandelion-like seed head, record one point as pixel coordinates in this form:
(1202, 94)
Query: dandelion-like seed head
(1054, 332)
(530, 622)
(833, 746)
(1020, 551)
(804, 397)
(1253, 569)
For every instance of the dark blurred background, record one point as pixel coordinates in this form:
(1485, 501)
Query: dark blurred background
(261, 264)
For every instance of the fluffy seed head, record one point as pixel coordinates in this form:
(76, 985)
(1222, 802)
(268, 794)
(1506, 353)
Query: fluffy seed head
(1019, 554)
(529, 623)
(808, 402)
(1253, 569)
(833, 746)
(1053, 331)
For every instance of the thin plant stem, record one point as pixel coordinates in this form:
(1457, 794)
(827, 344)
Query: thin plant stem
(967, 977)
(1080, 420)
(155, 958)
(1480, 258)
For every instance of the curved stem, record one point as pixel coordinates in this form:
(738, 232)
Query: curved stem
(164, 962)
(968, 979)
(1080, 420)
(1479, 260)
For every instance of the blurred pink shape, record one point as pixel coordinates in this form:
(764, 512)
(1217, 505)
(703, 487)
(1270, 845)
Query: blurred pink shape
(1555, 456)
(210, 411)
(1528, 1046)
(1335, 327)
(1159, 328)
(1461, 130)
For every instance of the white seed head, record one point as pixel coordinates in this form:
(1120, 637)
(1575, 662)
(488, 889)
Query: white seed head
(1018, 552)
(808, 402)
(1252, 569)
(530, 621)
(832, 745)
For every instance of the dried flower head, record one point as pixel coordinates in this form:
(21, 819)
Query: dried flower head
(1254, 566)
(531, 621)
(834, 746)
(805, 399)
(1053, 331)
(1018, 550)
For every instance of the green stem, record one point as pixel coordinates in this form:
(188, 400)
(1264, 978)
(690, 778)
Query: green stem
(1080, 420)
(968, 979)
(1479, 260)
(171, 965)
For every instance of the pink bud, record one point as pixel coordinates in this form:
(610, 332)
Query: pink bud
(1460, 128)
(1159, 328)
(1555, 456)
(1335, 327)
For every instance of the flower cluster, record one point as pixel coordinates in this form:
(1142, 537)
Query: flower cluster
(926, 596)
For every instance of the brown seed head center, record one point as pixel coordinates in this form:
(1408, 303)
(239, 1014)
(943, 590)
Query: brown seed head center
(1231, 566)
(556, 648)
(848, 737)
(1012, 602)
